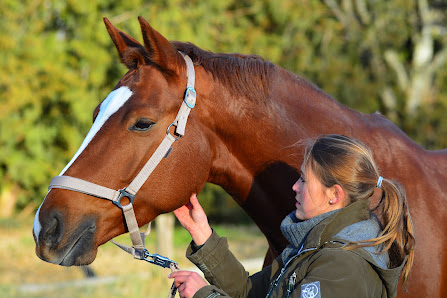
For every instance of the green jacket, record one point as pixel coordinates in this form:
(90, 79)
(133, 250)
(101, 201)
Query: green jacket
(321, 268)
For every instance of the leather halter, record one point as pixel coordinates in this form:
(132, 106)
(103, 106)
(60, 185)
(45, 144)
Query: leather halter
(163, 150)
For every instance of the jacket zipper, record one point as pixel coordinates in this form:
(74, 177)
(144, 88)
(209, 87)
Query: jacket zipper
(274, 283)
(291, 284)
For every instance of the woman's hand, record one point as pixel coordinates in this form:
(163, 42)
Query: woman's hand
(192, 217)
(187, 283)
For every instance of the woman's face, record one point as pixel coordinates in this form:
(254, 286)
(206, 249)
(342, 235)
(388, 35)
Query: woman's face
(312, 198)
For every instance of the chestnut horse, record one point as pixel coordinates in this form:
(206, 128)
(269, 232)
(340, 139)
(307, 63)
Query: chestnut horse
(242, 135)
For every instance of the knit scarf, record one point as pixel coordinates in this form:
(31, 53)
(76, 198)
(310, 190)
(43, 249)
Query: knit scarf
(296, 231)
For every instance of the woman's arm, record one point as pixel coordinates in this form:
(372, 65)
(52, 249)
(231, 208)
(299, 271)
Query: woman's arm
(223, 270)
(192, 217)
(215, 260)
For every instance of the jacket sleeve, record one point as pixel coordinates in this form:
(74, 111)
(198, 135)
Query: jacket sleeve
(338, 273)
(225, 273)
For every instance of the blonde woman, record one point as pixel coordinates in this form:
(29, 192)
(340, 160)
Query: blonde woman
(339, 245)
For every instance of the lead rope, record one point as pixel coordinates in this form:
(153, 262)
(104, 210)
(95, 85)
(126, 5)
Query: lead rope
(156, 259)
(174, 268)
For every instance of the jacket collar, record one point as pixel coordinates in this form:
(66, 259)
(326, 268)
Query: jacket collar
(324, 231)
(329, 227)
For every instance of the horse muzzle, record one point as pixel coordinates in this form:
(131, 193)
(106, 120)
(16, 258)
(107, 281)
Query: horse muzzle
(54, 244)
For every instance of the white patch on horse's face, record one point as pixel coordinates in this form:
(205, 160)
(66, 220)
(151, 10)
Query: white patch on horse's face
(115, 100)
(109, 106)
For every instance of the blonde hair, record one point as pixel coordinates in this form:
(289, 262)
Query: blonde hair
(337, 159)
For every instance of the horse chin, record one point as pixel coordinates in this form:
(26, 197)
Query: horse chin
(77, 250)
(82, 253)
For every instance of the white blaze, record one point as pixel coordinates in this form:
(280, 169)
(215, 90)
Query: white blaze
(109, 106)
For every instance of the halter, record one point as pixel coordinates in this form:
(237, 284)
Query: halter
(163, 150)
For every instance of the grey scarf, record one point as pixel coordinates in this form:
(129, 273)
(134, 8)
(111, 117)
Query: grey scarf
(296, 231)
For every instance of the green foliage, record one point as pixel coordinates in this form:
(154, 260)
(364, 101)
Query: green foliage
(220, 207)
(58, 63)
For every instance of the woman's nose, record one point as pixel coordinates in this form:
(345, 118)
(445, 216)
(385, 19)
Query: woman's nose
(295, 186)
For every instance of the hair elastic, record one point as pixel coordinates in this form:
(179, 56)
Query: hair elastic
(379, 182)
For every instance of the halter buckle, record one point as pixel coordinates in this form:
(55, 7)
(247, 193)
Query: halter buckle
(124, 194)
(190, 97)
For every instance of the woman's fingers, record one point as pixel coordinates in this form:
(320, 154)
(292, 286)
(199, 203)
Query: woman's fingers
(193, 200)
(187, 282)
(183, 214)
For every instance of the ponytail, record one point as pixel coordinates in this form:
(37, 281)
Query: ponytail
(398, 233)
(397, 236)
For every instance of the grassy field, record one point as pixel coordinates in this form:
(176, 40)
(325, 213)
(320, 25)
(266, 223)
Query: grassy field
(23, 274)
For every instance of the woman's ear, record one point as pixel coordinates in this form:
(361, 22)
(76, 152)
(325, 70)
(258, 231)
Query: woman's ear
(336, 195)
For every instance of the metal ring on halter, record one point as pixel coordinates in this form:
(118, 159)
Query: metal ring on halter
(167, 131)
(124, 194)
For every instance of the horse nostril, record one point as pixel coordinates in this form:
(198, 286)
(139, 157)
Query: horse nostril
(52, 229)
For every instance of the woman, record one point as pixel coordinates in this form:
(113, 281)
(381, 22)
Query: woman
(338, 246)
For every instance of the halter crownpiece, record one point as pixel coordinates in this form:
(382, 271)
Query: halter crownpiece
(75, 184)
(379, 182)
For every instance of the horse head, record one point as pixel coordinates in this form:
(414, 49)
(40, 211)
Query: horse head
(128, 126)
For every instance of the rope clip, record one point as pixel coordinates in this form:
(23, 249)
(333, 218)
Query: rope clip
(159, 260)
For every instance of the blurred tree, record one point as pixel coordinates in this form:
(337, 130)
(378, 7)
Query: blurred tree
(402, 48)
(58, 63)
(55, 67)
(220, 207)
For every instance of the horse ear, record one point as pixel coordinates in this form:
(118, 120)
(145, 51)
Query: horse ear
(160, 49)
(121, 40)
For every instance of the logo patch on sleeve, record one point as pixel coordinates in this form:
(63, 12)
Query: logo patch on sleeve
(311, 290)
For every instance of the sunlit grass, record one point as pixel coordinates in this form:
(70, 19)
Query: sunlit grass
(119, 275)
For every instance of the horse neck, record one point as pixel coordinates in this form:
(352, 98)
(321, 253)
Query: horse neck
(256, 151)
(249, 135)
(256, 154)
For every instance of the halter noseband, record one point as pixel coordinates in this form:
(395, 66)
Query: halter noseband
(163, 150)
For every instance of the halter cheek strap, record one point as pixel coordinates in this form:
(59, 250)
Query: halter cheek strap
(75, 184)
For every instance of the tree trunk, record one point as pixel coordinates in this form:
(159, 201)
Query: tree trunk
(164, 225)
(8, 200)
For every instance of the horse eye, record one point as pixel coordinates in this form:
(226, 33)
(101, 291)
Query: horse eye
(142, 125)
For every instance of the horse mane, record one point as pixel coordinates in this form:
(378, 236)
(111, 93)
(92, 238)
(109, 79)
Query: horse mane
(249, 75)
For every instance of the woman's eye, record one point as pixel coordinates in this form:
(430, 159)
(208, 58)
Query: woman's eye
(142, 125)
(302, 179)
